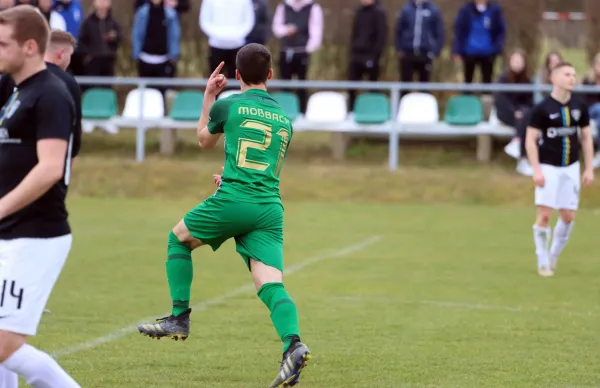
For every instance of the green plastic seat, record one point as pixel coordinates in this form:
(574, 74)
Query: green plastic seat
(372, 108)
(187, 106)
(464, 110)
(99, 104)
(289, 102)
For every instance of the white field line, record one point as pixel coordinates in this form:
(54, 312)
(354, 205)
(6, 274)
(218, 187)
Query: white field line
(463, 305)
(218, 300)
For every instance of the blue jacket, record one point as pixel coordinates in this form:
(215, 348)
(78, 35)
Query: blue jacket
(420, 29)
(479, 33)
(72, 13)
(140, 25)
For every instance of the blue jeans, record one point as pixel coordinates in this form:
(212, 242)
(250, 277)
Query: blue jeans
(595, 115)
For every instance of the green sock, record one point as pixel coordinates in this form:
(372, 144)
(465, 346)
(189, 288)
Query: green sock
(283, 312)
(180, 272)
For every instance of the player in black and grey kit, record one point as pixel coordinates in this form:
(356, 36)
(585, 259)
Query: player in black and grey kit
(553, 149)
(36, 142)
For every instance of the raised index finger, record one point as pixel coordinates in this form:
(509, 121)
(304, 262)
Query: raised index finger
(217, 70)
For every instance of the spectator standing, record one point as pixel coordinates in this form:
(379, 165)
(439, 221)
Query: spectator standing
(553, 58)
(181, 6)
(156, 40)
(367, 42)
(419, 39)
(479, 34)
(299, 25)
(72, 12)
(514, 108)
(593, 101)
(262, 23)
(99, 40)
(56, 21)
(227, 23)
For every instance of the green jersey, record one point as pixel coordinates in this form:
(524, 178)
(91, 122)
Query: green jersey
(257, 134)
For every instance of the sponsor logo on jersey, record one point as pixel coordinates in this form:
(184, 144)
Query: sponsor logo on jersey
(5, 137)
(551, 133)
(554, 116)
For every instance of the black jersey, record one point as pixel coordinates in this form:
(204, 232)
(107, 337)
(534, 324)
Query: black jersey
(559, 124)
(7, 85)
(39, 108)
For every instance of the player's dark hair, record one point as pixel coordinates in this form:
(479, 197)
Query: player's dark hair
(562, 64)
(28, 24)
(253, 62)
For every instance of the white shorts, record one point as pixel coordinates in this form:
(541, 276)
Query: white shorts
(561, 190)
(29, 268)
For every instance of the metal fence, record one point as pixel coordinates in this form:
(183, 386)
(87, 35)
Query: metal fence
(393, 88)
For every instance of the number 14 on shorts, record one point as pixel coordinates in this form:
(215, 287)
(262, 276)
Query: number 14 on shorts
(11, 296)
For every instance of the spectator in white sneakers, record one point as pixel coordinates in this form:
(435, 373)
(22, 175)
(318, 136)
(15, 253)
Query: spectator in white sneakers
(227, 23)
(514, 108)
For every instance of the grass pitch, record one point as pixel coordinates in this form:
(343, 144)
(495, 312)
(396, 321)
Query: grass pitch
(388, 296)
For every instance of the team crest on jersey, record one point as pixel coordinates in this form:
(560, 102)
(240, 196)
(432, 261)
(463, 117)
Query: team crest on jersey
(576, 113)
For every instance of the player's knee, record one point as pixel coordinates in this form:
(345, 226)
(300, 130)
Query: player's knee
(263, 274)
(10, 343)
(543, 216)
(567, 216)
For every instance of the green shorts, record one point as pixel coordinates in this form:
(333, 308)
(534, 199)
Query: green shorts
(256, 228)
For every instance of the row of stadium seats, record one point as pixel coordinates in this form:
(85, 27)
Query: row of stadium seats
(325, 111)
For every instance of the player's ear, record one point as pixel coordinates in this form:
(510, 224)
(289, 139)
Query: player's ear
(237, 75)
(270, 75)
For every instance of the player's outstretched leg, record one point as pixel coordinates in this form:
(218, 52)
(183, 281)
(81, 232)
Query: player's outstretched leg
(542, 234)
(284, 316)
(562, 232)
(180, 273)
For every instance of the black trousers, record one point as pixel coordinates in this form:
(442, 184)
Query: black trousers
(485, 64)
(295, 65)
(410, 64)
(98, 67)
(161, 70)
(219, 55)
(101, 67)
(357, 71)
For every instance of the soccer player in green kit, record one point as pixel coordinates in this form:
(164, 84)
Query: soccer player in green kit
(246, 206)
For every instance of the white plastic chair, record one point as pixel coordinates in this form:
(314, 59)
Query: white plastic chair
(154, 105)
(327, 107)
(228, 93)
(418, 108)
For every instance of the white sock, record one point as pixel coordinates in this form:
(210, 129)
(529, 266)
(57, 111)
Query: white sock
(541, 238)
(8, 379)
(562, 231)
(38, 369)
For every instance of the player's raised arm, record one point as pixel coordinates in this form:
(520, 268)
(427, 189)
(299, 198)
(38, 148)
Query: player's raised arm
(53, 130)
(210, 125)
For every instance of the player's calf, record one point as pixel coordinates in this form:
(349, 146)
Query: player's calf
(542, 235)
(562, 232)
(269, 283)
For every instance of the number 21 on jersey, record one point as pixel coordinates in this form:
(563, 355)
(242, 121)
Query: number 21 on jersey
(261, 145)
